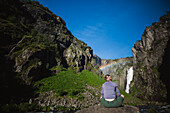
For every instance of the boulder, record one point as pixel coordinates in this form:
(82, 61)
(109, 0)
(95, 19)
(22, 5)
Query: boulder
(101, 109)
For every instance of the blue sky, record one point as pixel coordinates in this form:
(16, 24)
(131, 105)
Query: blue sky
(109, 27)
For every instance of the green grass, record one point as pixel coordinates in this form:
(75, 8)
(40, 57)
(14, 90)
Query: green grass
(91, 79)
(131, 100)
(62, 83)
(68, 82)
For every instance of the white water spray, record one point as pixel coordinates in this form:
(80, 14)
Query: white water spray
(129, 78)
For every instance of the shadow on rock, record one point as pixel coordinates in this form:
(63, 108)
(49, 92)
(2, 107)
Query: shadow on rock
(164, 70)
(101, 109)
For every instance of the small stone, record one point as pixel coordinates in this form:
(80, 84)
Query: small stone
(30, 101)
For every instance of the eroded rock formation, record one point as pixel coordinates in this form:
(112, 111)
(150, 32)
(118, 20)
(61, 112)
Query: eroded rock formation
(34, 40)
(151, 61)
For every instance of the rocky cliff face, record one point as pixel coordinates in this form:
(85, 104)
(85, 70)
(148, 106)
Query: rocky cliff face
(97, 61)
(34, 40)
(151, 61)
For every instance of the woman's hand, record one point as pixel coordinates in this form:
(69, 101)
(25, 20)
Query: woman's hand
(100, 97)
(123, 96)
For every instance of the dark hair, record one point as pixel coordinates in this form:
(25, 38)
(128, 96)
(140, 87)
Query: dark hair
(105, 77)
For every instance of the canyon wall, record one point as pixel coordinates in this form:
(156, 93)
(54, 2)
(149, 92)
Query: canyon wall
(33, 40)
(151, 62)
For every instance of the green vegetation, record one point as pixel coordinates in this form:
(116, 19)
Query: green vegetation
(62, 83)
(91, 79)
(119, 71)
(20, 108)
(155, 71)
(139, 64)
(68, 82)
(13, 30)
(34, 42)
(58, 69)
(131, 100)
(29, 41)
(62, 108)
(152, 110)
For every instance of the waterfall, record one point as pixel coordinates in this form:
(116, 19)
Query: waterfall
(129, 78)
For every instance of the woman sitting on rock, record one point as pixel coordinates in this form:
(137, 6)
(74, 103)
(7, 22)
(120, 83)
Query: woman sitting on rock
(108, 96)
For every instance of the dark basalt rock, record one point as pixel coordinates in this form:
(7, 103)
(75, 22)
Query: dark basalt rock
(33, 40)
(151, 62)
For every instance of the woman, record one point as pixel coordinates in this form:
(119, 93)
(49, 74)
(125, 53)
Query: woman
(108, 96)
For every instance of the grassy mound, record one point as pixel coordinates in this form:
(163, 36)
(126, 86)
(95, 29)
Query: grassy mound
(68, 82)
(91, 79)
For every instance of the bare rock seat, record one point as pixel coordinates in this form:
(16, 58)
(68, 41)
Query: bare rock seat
(101, 109)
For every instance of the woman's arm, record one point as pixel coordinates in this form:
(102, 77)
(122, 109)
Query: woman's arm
(117, 90)
(102, 93)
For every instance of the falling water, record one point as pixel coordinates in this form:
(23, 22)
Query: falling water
(129, 78)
